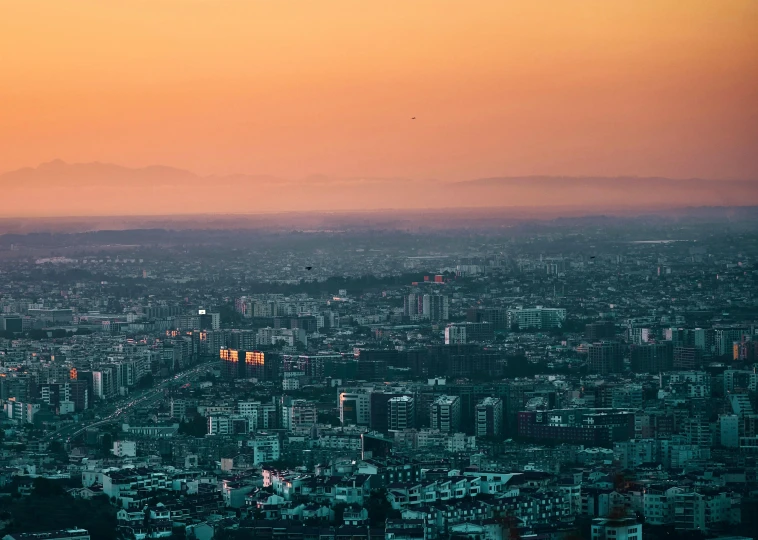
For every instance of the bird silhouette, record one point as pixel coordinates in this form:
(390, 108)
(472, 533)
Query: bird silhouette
(309, 268)
(413, 118)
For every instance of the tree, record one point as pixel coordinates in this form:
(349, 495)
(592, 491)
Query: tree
(379, 508)
(37, 334)
(49, 507)
(327, 418)
(339, 513)
(47, 488)
(229, 316)
(284, 463)
(195, 427)
(146, 382)
(107, 444)
(56, 447)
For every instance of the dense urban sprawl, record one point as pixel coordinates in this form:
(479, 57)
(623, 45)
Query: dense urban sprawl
(577, 379)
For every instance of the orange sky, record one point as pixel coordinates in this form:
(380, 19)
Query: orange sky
(298, 87)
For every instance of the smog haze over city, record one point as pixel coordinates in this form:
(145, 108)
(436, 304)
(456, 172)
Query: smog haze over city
(362, 270)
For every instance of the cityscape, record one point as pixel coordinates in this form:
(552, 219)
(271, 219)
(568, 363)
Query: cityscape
(378, 270)
(554, 380)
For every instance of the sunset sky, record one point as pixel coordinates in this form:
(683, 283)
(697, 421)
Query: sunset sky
(293, 88)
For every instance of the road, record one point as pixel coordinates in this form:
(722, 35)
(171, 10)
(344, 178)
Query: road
(116, 411)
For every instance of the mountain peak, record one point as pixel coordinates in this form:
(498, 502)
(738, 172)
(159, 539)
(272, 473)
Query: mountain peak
(51, 165)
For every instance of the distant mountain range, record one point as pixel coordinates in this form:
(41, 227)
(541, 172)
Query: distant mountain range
(62, 189)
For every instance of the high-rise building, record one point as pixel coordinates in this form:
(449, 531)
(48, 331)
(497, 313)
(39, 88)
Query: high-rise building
(687, 358)
(445, 414)
(372, 363)
(455, 334)
(600, 330)
(232, 368)
(53, 393)
(463, 361)
(355, 408)
(103, 382)
(726, 338)
(16, 386)
(302, 415)
(729, 427)
(178, 409)
(380, 408)
(238, 364)
(652, 357)
(538, 318)
(435, 307)
(413, 305)
(402, 413)
(497, 317)
(606, 357)
(80, 395)
(489, 417)
(478, 331)
(704, 339)
(697, 430)
(209, 321)
(242, 340)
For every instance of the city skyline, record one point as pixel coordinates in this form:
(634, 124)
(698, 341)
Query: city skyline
(362, 270)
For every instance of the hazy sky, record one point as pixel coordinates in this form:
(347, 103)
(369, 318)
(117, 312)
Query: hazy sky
(292, 88)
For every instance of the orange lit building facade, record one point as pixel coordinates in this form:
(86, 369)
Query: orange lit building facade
(239, 364)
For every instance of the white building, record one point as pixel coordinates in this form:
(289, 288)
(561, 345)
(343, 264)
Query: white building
(302, 415)
(355, 408)
(178, 408)
(339, 440)
(402, 413)
(489, 417)
(616, 529)
(460, 442)
(689, 510)
(21, 413)
(538, 318)
(232, 424)
(259, 415)
(435, 307)
(125, 449)
(102, 383)
(445, 414)
(66, 407)
(266, 448)
(635, 452)
(455, 334)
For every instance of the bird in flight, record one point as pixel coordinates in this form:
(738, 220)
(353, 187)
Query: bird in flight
(413, 118)
(309, 268)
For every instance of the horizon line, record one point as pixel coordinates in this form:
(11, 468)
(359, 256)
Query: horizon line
(369, 177)
(651, 208)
